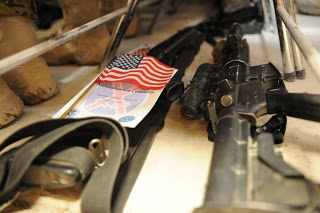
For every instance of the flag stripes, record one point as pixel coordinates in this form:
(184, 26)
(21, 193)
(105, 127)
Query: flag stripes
(144, 71)
(142, 51)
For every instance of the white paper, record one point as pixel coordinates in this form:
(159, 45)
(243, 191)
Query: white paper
(122, 101)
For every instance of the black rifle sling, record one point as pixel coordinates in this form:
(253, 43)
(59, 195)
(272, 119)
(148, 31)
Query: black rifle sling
(97, 194)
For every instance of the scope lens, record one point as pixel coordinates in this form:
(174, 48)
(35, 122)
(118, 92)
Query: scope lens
(189, 111)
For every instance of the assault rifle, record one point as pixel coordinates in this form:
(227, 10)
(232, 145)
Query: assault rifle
(246, 175)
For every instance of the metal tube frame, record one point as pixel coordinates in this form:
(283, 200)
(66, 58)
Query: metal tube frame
(297, 60)
(286, 22)
(285, 46)
(157, 15)
(310, 53)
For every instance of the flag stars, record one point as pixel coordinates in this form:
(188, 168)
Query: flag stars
(126, 62)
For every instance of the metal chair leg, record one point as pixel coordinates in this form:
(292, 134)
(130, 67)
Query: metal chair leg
(157, 15)
(310, 53)
(297, 60)
(285, 46)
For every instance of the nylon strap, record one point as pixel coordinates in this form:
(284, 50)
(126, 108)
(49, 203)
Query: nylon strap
(97, 194)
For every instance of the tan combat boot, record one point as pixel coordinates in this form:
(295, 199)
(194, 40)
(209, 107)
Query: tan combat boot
(311, 7)
(11, 106)
(86, 49)
(31, 81)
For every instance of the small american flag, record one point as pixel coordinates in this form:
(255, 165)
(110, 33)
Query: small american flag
(144, 71)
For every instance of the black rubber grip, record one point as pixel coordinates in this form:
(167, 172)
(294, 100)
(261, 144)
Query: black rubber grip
(300, 105)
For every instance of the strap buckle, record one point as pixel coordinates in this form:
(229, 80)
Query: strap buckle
(98, 148)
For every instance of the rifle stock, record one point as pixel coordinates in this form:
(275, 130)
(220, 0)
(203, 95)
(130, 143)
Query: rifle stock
(246, 175)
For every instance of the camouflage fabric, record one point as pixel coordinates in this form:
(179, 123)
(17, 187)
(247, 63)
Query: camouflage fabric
(26, 8)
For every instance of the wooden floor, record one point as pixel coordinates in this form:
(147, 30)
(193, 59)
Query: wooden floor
(174, 176)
